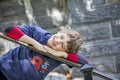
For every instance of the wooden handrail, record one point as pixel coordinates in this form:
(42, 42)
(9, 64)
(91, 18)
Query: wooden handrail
(88, 71)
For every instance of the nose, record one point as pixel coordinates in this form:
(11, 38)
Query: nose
(58, 41)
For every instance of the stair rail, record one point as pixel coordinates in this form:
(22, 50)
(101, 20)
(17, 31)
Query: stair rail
(88, 71)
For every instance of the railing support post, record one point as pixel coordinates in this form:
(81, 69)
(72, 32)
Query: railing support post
(87, 72)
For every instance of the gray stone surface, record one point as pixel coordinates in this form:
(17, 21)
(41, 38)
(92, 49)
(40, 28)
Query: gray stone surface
(101, 48)
(115, 28)
(45, 22)
(79, 15)
(117, 63)
(104, 64)
(76, 73)
(94, 32)
(11, 8)
(45, 6)
(48, 13)
(4, 24)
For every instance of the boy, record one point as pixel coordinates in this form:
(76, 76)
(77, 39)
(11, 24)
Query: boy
(22, 63)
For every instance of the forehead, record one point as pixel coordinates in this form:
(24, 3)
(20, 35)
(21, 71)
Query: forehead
(64, 35)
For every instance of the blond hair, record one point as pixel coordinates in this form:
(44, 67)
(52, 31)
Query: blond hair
(74, 45)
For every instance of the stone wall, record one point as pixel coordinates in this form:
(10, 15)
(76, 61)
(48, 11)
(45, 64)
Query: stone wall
(99, 26)
(97, 21)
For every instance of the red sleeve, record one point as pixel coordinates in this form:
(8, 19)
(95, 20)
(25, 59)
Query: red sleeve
(72, 57)
(15, 33)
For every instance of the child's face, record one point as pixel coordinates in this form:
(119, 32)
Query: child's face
(58, 41)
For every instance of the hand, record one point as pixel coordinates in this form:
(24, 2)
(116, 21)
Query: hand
(54, 52)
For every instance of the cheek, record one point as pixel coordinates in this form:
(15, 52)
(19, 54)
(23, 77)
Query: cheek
(58, 48)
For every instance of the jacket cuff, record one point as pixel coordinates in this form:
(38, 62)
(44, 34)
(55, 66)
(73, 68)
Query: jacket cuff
(15, 33)
(72, 57)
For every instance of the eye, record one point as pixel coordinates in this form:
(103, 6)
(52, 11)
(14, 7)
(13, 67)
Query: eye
(62, 45)
(61, 37)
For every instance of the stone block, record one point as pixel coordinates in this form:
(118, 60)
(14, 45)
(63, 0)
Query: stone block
(45, 22)
(115, 28)
(48, 13)
(44, 8)
(101, 48)
(5, 24)
(104, 64)
(76, 73)
(117, 63)
(79, 15)
(11, 8)
(94, 32)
